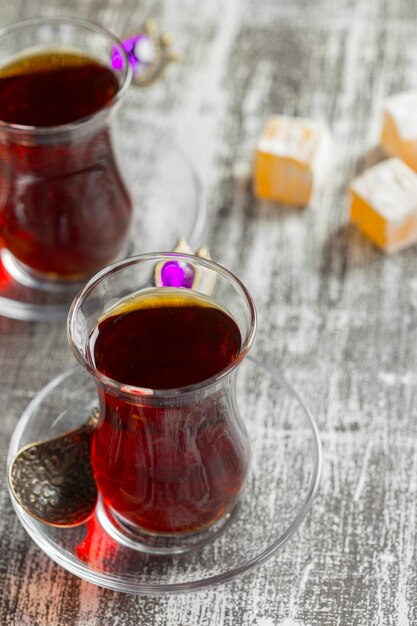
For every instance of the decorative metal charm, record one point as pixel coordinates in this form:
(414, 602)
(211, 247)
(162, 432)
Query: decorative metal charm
(177, 273)
(53, 480)
(149, 54)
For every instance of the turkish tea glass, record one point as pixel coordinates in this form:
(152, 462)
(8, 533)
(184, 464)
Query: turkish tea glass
(65, 211)
(175, 459)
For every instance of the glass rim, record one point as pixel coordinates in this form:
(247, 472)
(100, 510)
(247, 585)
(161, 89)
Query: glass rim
(21, 129)
(145, 392)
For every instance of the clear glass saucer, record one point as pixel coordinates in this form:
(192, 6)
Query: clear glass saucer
(284, 476)
(169, 204)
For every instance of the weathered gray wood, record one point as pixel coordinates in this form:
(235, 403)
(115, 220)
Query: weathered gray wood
(334, 313)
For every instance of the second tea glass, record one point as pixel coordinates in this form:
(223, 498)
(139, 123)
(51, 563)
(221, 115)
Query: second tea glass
(169, 463)
(65, 211)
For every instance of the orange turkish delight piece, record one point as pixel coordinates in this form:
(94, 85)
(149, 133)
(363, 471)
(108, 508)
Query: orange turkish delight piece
(399, 129)
(290, 160)
(383, 204)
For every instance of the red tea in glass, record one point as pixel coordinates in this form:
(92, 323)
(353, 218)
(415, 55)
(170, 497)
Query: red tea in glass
(176, 468)
(64, 209)
(170, 454)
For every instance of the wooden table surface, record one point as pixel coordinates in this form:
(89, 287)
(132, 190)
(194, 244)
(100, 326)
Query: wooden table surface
(335, 314)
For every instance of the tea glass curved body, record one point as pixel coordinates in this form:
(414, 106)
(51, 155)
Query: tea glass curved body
(166, 461)
(65, 211)
(174, 465)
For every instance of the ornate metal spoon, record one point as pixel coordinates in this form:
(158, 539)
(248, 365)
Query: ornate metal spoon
(53, 480)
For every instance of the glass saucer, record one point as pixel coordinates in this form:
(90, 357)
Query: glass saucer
(284, 476)
(169, 204)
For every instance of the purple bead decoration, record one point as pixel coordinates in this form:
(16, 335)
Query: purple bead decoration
(140, 49)
(177, 274)
(116, 59)
(148, 53)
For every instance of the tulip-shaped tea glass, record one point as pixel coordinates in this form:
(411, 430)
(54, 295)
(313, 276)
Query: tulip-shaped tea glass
(162, 336)
(64, 209)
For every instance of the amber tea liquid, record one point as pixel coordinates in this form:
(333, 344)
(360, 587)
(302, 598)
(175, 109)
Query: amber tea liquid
(177, 466)
(64, 209)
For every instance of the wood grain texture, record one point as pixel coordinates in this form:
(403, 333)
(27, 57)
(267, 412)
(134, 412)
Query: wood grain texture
(335, 314)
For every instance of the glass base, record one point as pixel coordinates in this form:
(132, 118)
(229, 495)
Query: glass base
(149, 543)
(169, 205)
(34, 280)
(27, 297)
(50, 283)
(282, 481)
